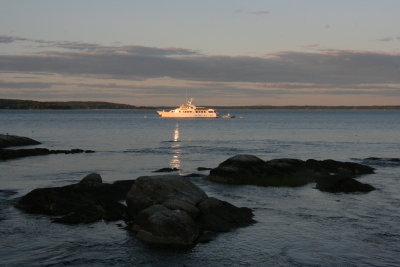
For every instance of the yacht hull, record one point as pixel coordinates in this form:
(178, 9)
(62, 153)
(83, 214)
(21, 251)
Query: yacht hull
(170, 114)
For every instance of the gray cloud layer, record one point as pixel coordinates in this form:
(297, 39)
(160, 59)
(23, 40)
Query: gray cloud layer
(323, 69)
(338, 68)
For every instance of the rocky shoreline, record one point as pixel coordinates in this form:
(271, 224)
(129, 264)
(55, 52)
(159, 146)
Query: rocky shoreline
(13, 140)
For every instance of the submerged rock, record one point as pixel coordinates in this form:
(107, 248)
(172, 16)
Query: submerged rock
(88, 201)
(6, 154)
(382, 162)
(249, 169)
(169, 210)
(13, 140)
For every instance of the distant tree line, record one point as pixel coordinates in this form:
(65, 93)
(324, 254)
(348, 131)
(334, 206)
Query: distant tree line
(29, 104)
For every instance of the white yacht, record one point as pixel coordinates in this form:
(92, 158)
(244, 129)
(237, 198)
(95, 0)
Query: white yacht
(188, 110)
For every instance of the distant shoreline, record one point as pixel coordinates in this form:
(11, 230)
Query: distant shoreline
(93, 105)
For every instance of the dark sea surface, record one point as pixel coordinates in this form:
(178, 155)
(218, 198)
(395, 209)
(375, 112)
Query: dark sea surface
(295, 226)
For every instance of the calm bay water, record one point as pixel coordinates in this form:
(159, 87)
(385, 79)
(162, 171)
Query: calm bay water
(295, 226)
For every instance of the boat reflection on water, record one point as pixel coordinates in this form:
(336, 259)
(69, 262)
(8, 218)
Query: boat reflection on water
(176, 150)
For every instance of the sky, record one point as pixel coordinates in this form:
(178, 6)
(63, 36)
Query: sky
(220, 52)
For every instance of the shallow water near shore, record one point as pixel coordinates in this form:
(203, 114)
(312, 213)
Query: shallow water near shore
(295, 226)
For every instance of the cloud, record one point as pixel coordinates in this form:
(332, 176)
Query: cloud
(389, 39)
(33, 85)
(257, 12)
(102, 49)
(5, 39)
(311, 45)
(386, 39)
(334, 67)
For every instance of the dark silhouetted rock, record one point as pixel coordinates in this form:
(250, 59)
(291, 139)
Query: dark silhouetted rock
(169, 210)
(89, 200)
(248, 169)
(167, 170)
(92, 179)
(203, 169)
(336, 184)
(13, 140)
(7, 154)
(160, 226)
(220, 216)
(151, 190)
(194, 175)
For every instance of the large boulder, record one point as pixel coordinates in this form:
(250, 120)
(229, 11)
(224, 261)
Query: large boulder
(89, 200)
(172, 191)
(248, 169)
(169, 210)
(158, 225)
(7, 140)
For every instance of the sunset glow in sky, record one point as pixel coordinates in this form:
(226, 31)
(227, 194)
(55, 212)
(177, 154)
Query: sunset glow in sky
(221, 52)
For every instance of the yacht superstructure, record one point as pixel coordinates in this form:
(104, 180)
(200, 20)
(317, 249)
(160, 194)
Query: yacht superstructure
(189, 110)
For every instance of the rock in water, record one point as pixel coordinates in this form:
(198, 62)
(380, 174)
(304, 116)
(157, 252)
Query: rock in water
(165, 210)
(92, 179)
(169, 210)
(167, 170)
(13, 140)
(335, 184)
(89, 200)
(151, 190)
(7, 154)
(158, 225)
(248, 169)
(220, 216)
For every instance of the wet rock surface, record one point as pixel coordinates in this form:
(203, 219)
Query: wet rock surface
(170, 210)
(249, 169)
(7, 140)
(88, 201)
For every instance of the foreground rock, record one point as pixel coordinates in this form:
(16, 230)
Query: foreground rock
(248, 169)
(169, 210)
(6, 154)
(88, 201)
(13, 140)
